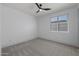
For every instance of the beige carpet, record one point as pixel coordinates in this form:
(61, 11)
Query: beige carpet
(40, 47)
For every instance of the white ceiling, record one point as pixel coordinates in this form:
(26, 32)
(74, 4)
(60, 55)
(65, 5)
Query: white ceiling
(31, 8)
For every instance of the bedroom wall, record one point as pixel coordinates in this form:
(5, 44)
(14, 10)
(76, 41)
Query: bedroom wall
(78, 22)
(17, 27)
(70, 37)
(0, 28)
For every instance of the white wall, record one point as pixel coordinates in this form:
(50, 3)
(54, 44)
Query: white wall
(0, 29)
(78, 22)
(70, 37)
(17, 27)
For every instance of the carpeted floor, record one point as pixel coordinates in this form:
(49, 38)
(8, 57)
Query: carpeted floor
(40, 47)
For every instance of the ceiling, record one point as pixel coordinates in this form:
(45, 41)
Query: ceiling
(31, 8)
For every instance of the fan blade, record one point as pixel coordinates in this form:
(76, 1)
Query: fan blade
(46, 9)
(38, 11)
(38, 5)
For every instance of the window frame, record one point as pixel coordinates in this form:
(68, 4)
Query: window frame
(57, 23)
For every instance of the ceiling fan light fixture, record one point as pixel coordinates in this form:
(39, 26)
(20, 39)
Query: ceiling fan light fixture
(40, 9)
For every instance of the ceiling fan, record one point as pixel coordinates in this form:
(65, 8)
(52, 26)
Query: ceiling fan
(40, 8)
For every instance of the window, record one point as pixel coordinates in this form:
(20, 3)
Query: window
(59, 23)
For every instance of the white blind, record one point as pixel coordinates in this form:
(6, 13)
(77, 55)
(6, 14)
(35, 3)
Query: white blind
(59, 23)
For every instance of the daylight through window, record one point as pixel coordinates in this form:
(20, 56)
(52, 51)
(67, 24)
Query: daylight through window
(59, 23)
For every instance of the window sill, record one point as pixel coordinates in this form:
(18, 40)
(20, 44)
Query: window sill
(61, 31)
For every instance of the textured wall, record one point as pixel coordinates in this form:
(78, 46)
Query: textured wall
(70, 37)
(17, 27)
